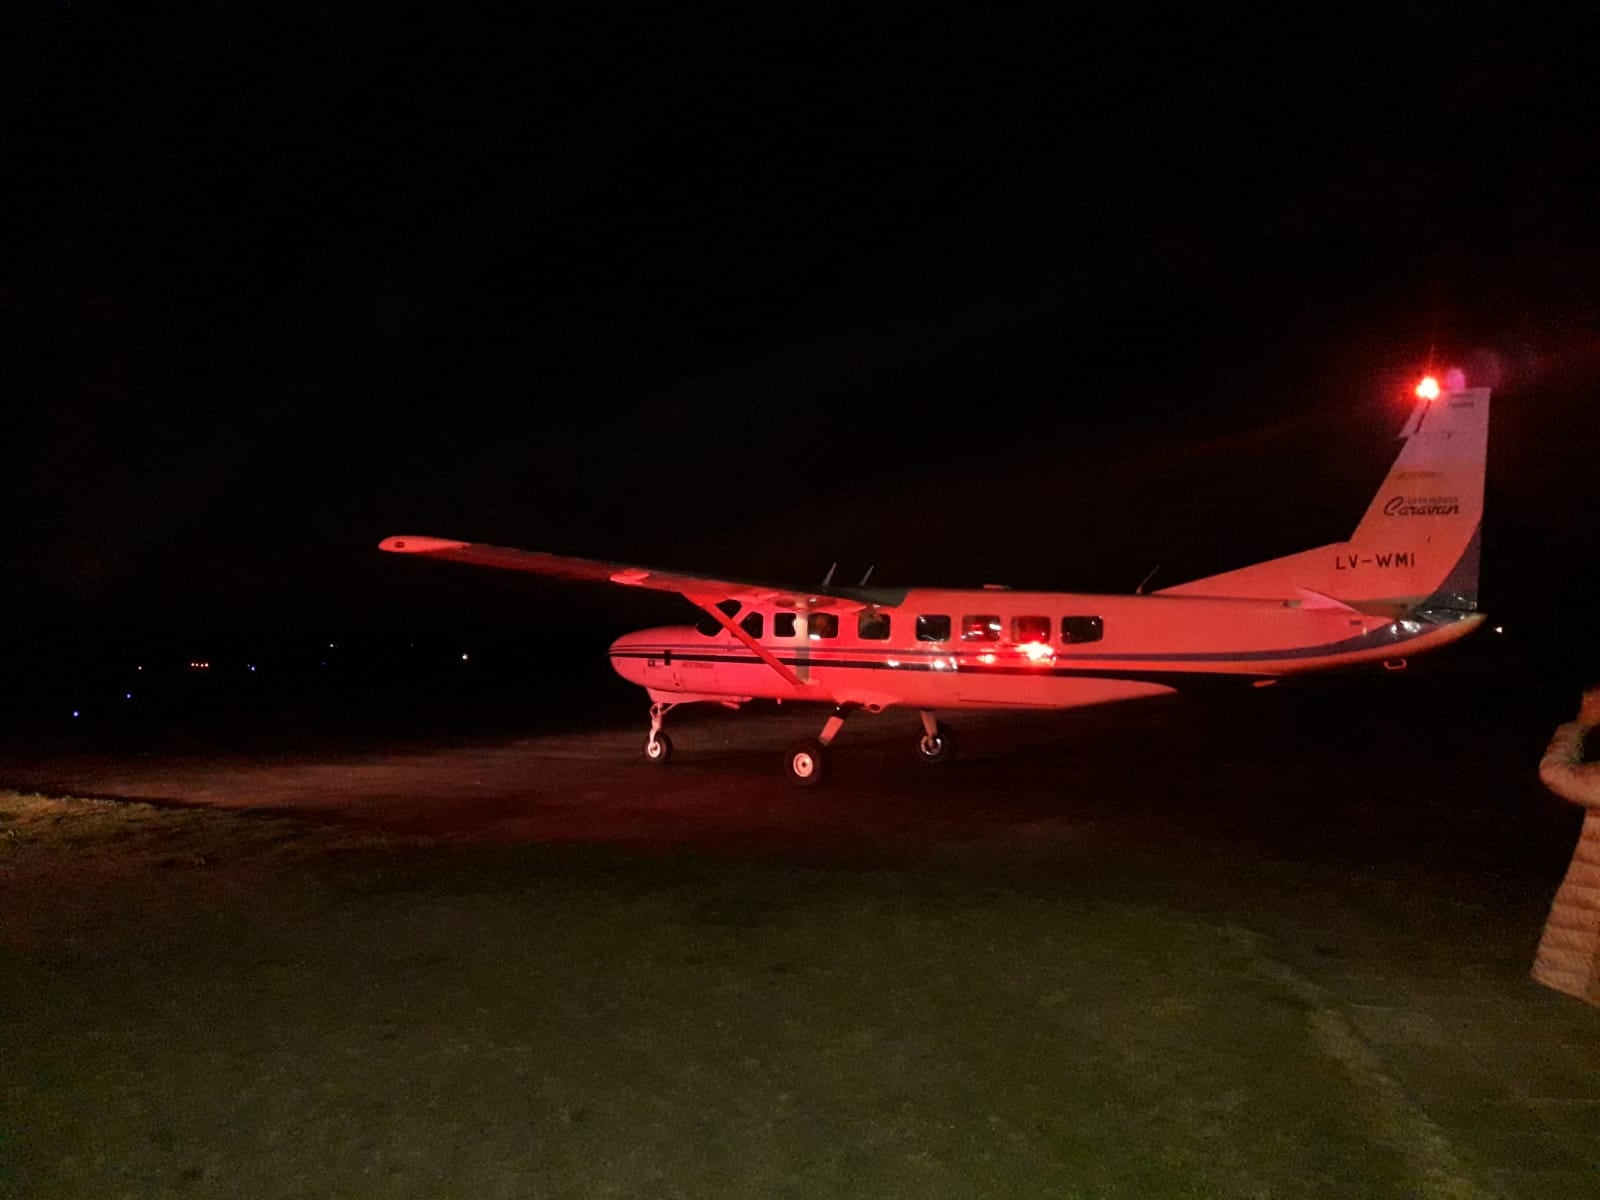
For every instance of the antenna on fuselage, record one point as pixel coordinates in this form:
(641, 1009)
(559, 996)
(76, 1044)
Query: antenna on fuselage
(867, 576)
(1143, 583)
(828, 578)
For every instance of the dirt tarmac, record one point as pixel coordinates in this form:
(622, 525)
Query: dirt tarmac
(1399, 852)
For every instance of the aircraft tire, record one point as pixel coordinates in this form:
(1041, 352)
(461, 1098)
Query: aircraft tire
(659, 752)
(937, 748)
(805, 763)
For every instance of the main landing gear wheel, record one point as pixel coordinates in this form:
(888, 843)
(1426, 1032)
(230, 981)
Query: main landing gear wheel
(937, 743)
(934, 748)
(658, 749)
(806, 763)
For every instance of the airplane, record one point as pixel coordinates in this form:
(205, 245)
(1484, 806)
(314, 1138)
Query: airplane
(1405, 582)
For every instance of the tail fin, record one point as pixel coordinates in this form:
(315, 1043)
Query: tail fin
(1417, 546)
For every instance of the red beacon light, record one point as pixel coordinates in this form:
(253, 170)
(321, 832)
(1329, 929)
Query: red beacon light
(1428, 389)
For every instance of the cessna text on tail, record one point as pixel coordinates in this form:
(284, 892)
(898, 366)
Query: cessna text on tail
(1405, 582)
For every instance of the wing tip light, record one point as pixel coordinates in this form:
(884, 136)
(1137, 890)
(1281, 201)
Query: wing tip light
(1431, 387)
(405, 544)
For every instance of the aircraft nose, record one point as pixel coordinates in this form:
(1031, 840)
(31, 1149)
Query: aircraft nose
(628, 655)
(629, 642)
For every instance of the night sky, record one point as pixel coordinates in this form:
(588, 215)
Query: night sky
(970, 296)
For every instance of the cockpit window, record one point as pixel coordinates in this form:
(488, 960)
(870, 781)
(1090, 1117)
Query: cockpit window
(709, 626)
(872, 625)
(752, 624)
(985, 627)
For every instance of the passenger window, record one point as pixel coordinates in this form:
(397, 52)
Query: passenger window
(752, 624)
(982, 628)
(823, 625)
(708, 624)
(1030, 629)
(933, 628)
(1082, 629)
(872, 625)
(783, 624)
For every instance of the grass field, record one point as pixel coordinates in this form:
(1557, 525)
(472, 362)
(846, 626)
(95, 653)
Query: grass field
(206, 1003)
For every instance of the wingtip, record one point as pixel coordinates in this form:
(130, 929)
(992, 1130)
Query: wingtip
(405, 544)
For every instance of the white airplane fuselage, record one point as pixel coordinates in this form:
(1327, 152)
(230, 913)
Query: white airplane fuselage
(1014, 655)
(1404, 582)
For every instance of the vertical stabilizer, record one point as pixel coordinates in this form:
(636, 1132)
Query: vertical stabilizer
(1417, 545)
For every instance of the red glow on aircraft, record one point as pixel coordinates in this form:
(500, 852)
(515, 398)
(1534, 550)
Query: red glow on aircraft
(1404, 582)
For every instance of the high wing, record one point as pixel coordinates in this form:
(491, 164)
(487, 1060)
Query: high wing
(704, 590)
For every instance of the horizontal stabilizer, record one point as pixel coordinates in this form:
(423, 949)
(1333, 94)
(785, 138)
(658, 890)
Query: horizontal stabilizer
(1318, 602)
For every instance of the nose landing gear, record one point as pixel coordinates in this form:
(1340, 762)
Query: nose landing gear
(658, 746)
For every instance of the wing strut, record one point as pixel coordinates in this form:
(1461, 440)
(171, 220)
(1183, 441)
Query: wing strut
(761, 652)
